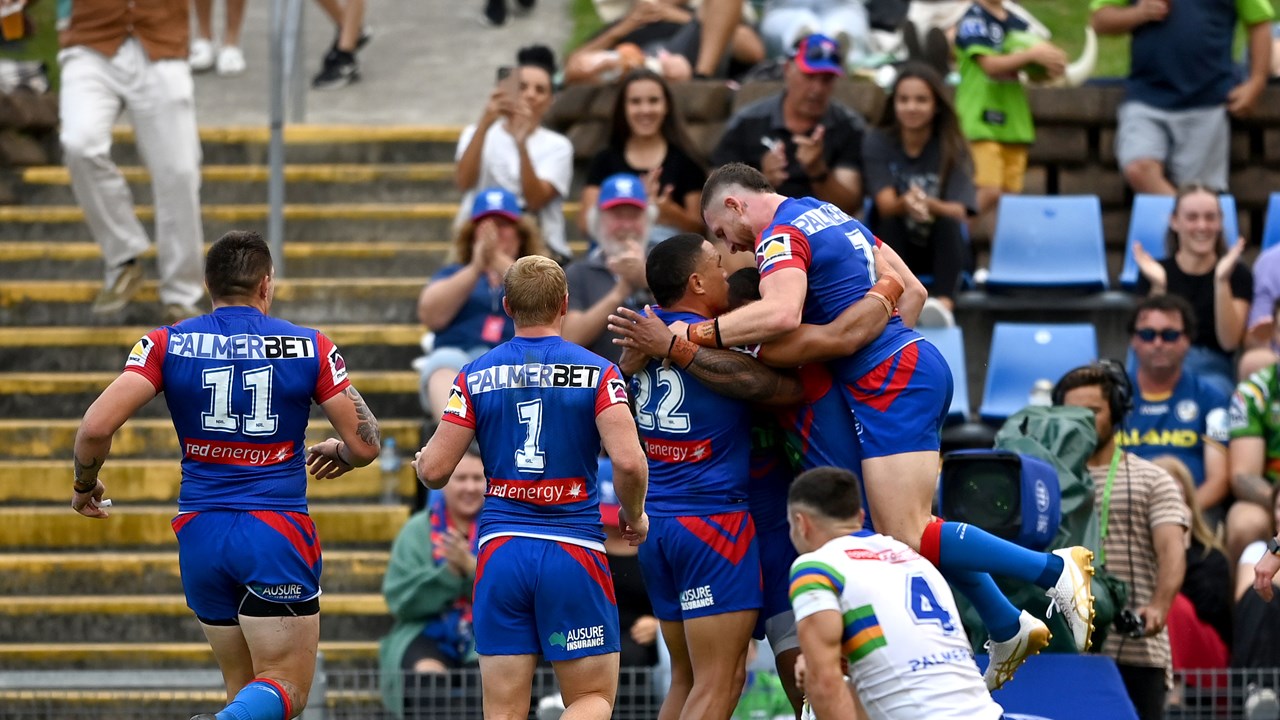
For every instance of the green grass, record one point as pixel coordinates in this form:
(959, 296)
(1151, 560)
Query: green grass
(42, 44)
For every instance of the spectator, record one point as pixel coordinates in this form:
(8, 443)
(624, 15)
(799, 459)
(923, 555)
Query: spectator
(1198, 267)
(786, 22)
(462, 303)
(670, 38)
(1255, 457)
(992, 103)
(229, 59)
(114, 57)
(1172, 124)
(495, 11)
(647, 138)
(762, 695)
(509, 149)
(1176, 411)
(1144, 539)
(1266, 291)
(920, 174)
(613, 274)
(428, 590)
(1254, 643)
(805, 144)
(339, 68)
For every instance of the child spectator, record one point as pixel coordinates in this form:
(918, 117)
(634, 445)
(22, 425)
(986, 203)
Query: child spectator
(992, 103)
(762, 695)
(229, 59)
(647, 138)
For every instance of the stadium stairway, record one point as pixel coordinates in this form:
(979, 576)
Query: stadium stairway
(367, 221)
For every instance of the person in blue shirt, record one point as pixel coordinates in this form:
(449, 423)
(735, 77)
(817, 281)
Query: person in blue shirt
(1175, 411)
(462, 303)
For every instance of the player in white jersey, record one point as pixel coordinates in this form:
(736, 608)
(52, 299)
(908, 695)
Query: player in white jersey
(874, 601)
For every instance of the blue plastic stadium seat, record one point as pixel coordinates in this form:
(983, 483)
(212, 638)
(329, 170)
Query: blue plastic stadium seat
(1271, 228)
(1149, 223)
(1022, 353)
(1044, 242)
(950, 342)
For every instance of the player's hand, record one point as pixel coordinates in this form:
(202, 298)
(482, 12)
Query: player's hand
(774, 163)
(87, 503)
(324, 460)
(1150, 268)
(645, 333)
(1153, 10)
(632, 361)
(633, 531)
(809, 151)
(1263, 573)
(645, 630)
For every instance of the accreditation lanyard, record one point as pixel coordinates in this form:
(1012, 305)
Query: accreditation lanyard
(1106, 504)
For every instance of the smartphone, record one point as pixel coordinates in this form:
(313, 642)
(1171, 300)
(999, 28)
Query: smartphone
(504, 72)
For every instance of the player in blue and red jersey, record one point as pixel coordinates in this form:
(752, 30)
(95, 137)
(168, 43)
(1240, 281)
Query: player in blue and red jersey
(815, 261)
(239, 385)
(541, 408)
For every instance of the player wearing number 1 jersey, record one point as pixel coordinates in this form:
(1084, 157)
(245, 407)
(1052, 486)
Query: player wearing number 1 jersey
(239, 385)
(541, 408)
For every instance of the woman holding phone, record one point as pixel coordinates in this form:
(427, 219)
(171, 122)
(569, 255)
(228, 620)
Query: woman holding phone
(509, 149)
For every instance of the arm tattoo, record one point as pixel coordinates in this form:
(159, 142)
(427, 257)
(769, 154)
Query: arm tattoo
(366, 423)
(86, 474)
(742, 377)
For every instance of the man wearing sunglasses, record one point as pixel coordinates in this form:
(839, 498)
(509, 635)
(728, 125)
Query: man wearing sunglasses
(1175, 412)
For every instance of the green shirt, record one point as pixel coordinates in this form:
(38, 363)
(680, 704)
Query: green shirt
(1255, 412)
(990, 109)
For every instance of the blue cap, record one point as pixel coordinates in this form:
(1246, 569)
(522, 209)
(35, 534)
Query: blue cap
(818, 55)
(496, 201)
(622, 189)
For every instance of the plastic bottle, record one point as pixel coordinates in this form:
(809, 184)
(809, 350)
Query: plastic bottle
(389, 463)
(1041, 394)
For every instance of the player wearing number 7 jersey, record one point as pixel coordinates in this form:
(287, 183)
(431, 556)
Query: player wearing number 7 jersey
(541, 408)
(239, 385)
(873, 602)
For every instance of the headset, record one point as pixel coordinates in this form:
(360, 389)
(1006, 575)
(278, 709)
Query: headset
(1120, 390)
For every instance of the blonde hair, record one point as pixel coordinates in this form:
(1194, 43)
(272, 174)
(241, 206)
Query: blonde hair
(1210, 539)
(465, 240)
(536, 288)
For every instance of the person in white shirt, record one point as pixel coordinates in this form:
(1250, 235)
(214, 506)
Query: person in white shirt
(872, 603)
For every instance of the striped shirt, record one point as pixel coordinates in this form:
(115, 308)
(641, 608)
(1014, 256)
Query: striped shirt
(1143, 496)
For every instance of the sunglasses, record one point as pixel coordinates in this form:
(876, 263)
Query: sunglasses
(1168, 335)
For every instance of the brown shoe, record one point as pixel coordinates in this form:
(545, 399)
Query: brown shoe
(112, 299)
(175, 313)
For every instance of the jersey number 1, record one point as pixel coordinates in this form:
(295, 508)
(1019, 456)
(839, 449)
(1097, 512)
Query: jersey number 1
(257, 383)
(530, 456)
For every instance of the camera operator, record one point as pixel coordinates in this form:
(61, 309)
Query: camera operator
(1144, 522)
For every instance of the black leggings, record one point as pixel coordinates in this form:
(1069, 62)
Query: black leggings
(941, 254)
(1146, 689)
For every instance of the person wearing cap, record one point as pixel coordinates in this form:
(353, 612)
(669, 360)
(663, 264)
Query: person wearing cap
(462, 303)
(612, 274)
(786, 22)
(805, 143)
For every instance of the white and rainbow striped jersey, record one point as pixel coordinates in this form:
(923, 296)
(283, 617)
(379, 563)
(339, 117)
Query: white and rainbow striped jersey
(908, 654)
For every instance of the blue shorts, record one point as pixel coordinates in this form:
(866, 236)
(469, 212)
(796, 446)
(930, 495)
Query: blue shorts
(776, 555)
(544, 596)
(224, 554)
(823, 432)
(695, 566)
(901, 404)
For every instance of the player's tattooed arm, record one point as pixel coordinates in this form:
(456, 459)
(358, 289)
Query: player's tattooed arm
(366, 423)
(86, 473)
(737, 375)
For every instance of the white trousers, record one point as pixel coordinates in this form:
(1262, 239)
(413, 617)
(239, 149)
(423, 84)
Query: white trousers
(161, 103)
(785, 22)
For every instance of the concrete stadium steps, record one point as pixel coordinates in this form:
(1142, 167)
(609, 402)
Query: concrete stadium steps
(173, 655)
(36, 259)
(308, 301)
(383, 144)
(164, 618)
(308, 183)
(156, 571)
(148, 481)
(147, 526)
(79, 349)
(393, 393)
(53, 438)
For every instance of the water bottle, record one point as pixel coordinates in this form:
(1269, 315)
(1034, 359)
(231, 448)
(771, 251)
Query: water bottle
(389, 463)
(1041, 394)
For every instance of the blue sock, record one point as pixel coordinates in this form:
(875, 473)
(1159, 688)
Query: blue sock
(259, 700)
(998, 614)
(965, 547)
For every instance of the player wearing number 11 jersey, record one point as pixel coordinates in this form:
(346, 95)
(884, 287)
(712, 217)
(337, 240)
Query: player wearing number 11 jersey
(239, 385)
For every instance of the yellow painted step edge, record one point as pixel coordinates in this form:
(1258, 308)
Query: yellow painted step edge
(317, 134)
(258, 212)
(117, 561)
(333, 650)
(165, 605)
(318, 173)
(83, 291)
(26, 250)
(124, 337)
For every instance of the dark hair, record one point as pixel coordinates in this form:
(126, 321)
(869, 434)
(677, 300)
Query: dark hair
(733, 174)
(235, 264)
(1166, 303)
(1110, 377)
(1171, 237)
(946, 126)
(539, 56)
(744, 286)
(828, 491)
(672, 130)
(670, 264)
